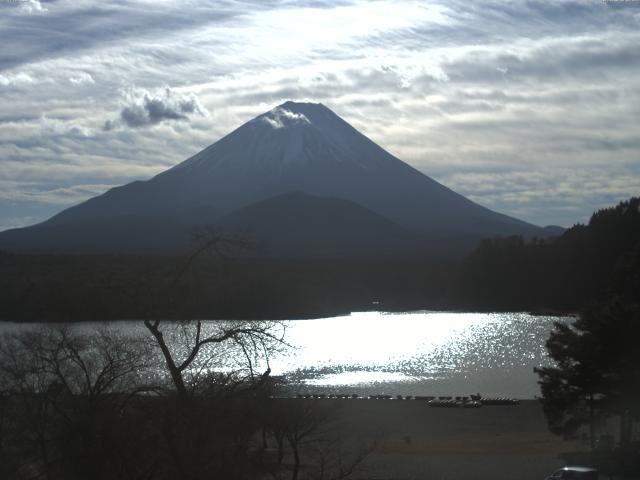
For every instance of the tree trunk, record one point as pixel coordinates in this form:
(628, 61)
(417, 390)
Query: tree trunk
(42, 443)
(592, 421)
(625, 428)
(296, 462)
(280, 442)
(174, 371)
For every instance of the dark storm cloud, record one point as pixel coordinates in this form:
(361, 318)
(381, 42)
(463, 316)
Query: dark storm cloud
(145, 108)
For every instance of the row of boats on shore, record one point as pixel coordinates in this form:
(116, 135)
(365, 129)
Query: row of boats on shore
(466, 401)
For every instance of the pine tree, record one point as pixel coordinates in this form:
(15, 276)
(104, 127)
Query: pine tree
(596, 372)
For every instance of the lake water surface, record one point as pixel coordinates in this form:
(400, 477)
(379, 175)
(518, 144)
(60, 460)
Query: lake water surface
(420, 353)
(415, 353)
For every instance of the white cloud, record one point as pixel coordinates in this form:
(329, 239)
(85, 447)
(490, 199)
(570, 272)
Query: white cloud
(30, 6)
(280, 117)
(55, 126)
(270, 32)
(16, 79)
(81, 77)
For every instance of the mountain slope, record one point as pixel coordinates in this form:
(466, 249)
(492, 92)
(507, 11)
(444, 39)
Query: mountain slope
(296, 147)
(126, 233)
(298, 225)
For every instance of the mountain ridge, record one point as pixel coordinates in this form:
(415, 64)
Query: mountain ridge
(298, 147)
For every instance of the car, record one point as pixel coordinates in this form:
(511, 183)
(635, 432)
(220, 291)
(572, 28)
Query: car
(574, 472)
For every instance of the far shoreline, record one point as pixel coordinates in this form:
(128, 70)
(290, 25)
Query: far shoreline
(310, 316)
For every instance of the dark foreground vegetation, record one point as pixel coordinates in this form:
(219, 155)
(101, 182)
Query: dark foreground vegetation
(593, 388)
(581, 266)
(98, 406)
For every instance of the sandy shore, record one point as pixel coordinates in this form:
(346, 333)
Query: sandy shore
(415, 441)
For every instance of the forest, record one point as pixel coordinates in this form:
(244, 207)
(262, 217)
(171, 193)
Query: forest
(558, 275)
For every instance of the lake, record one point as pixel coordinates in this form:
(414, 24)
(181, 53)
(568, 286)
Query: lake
(420, 353)
(414, 353)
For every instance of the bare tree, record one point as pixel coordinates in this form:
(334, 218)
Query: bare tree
(64, 392)
(201, 344)
(247, 341)
(305, 420)
(319, 444)
(338, 459)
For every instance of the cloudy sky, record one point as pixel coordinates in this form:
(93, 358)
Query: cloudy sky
(531, 108)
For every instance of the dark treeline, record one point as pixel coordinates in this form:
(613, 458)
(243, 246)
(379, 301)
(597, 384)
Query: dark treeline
(504, 274)
(74, 288)
(594, 382)
(585, 265)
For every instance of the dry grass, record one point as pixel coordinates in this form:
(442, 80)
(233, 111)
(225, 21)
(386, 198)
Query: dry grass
(415, 441)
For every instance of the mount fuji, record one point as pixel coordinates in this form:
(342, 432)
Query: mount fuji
(297, 164)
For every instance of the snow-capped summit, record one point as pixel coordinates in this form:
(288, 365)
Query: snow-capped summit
(307, 148)
(283, 116)
(291, 133)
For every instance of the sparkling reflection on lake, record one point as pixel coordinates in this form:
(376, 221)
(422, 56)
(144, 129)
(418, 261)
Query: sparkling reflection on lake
(419, 353)
(415, 353)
